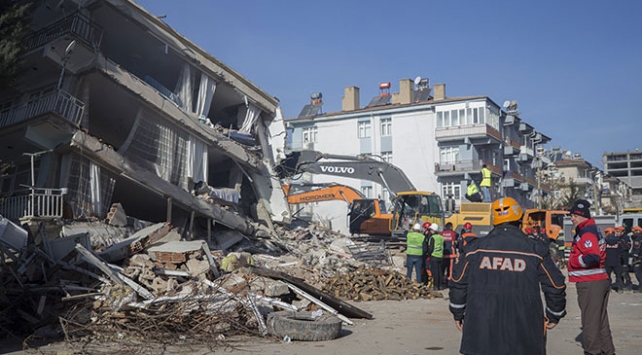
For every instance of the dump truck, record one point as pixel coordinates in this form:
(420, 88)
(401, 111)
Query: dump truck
(409, 206)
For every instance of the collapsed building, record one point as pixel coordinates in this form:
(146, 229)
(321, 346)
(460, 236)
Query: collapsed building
(114, 106)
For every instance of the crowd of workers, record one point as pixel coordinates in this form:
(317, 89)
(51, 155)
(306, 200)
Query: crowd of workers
(494, 282)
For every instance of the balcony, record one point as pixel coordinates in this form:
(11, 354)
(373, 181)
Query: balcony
(443, 134)
(511, 147)
(57, 101)
(463, 166)
(76, 24)
(39, 202)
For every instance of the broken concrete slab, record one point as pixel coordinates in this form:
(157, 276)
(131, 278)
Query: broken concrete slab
(175, 252)
(136, 243)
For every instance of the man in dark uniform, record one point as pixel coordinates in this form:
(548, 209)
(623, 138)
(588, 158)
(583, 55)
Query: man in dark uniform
(612, 263)
(495, 289)
(636, 252)
(625, 246)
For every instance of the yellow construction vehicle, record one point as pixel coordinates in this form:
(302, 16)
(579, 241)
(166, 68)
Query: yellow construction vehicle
(409, 206)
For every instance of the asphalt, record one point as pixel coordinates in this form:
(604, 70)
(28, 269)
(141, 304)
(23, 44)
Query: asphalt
(421, 326)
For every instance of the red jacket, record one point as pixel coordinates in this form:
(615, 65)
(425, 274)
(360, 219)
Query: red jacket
(450, 238)
(588, 254)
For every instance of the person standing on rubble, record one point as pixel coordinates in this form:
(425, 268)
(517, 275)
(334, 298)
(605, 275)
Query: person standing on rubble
(586, 269)
(435, 251)
(495, 290)
(415, 252)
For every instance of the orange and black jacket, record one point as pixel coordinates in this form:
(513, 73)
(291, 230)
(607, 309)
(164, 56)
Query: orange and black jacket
(495, 290)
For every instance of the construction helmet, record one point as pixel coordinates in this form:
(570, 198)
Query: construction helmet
(434, 227)
(426, 225)
(609, 231)
(620, 229)
(468, 226)
(416, 227)
(637, 229)
(506, 209)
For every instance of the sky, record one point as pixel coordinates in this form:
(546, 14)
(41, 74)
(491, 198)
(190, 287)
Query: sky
(573, 66)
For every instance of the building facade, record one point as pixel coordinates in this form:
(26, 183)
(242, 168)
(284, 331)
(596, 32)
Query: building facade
(626, 166)
(113, 105)
(440, 142)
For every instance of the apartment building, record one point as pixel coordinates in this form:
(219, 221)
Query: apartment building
(113, 105)
(626, 166)
(440, 142)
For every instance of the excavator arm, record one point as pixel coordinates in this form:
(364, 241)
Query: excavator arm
(361, 167)
(320, 192)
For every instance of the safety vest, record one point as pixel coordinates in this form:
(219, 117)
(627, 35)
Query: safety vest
(472, 189)
(486, 176)
(415, 243)
(438, 251)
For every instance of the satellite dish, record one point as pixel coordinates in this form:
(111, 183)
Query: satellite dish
(506, 104)
(70, 47)
(417, 80)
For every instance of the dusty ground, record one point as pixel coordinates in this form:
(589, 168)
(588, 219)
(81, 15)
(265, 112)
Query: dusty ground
(426, 327)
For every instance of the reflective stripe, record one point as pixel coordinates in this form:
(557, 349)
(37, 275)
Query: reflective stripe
(586, 272)
(452, 305)
(581, 260)
(556, 313)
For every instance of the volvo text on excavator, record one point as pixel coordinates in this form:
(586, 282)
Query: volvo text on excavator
(409, 206)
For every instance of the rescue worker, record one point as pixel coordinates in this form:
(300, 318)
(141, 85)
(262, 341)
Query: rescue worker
(495, 289)
(450, 252)
(625, 246)
(415, 252)
(425, 272)
(612, 263)
(486, 182)
(472, 192)
(435, 251)
(586, 269)
(636, 252)
(467, 236)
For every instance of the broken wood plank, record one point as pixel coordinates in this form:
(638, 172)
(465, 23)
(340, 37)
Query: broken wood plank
(314, 300)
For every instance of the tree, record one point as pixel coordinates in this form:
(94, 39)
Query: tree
(14, 26)
(571, 195)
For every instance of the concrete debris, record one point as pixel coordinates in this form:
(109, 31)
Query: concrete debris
(154, 286)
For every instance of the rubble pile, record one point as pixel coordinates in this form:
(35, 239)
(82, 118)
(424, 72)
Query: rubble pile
(154, 286)
(369, 284)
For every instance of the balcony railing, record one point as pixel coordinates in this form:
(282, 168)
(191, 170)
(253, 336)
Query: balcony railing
(471, 131)
(57, 101)
(76, 24)
(37, 202)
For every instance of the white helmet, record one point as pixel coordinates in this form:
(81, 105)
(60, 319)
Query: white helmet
(416, 227)
(434, 227)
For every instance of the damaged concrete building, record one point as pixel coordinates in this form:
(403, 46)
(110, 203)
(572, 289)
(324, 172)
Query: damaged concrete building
(114, 106)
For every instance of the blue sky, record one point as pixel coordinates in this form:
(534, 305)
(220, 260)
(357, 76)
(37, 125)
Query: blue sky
(575, 67)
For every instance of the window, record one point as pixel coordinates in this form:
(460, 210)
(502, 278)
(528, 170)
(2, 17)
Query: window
(310, 134)
(366, 191)
(454, 118)
(364, 129)
(447, 119)
(462, 117)
(449, 155)
(387, 157)
(386, 127)
(451, 188)
(440, 119)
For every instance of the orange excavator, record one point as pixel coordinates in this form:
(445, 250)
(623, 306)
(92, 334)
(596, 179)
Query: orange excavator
(367, 216)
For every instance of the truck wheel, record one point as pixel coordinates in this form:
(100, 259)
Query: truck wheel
(302, 326)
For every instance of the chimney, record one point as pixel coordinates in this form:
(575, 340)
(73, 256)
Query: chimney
(406, 91)
(350, 100)
(440, 91)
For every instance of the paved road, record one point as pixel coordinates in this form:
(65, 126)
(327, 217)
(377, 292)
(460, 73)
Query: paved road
(424, 327)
